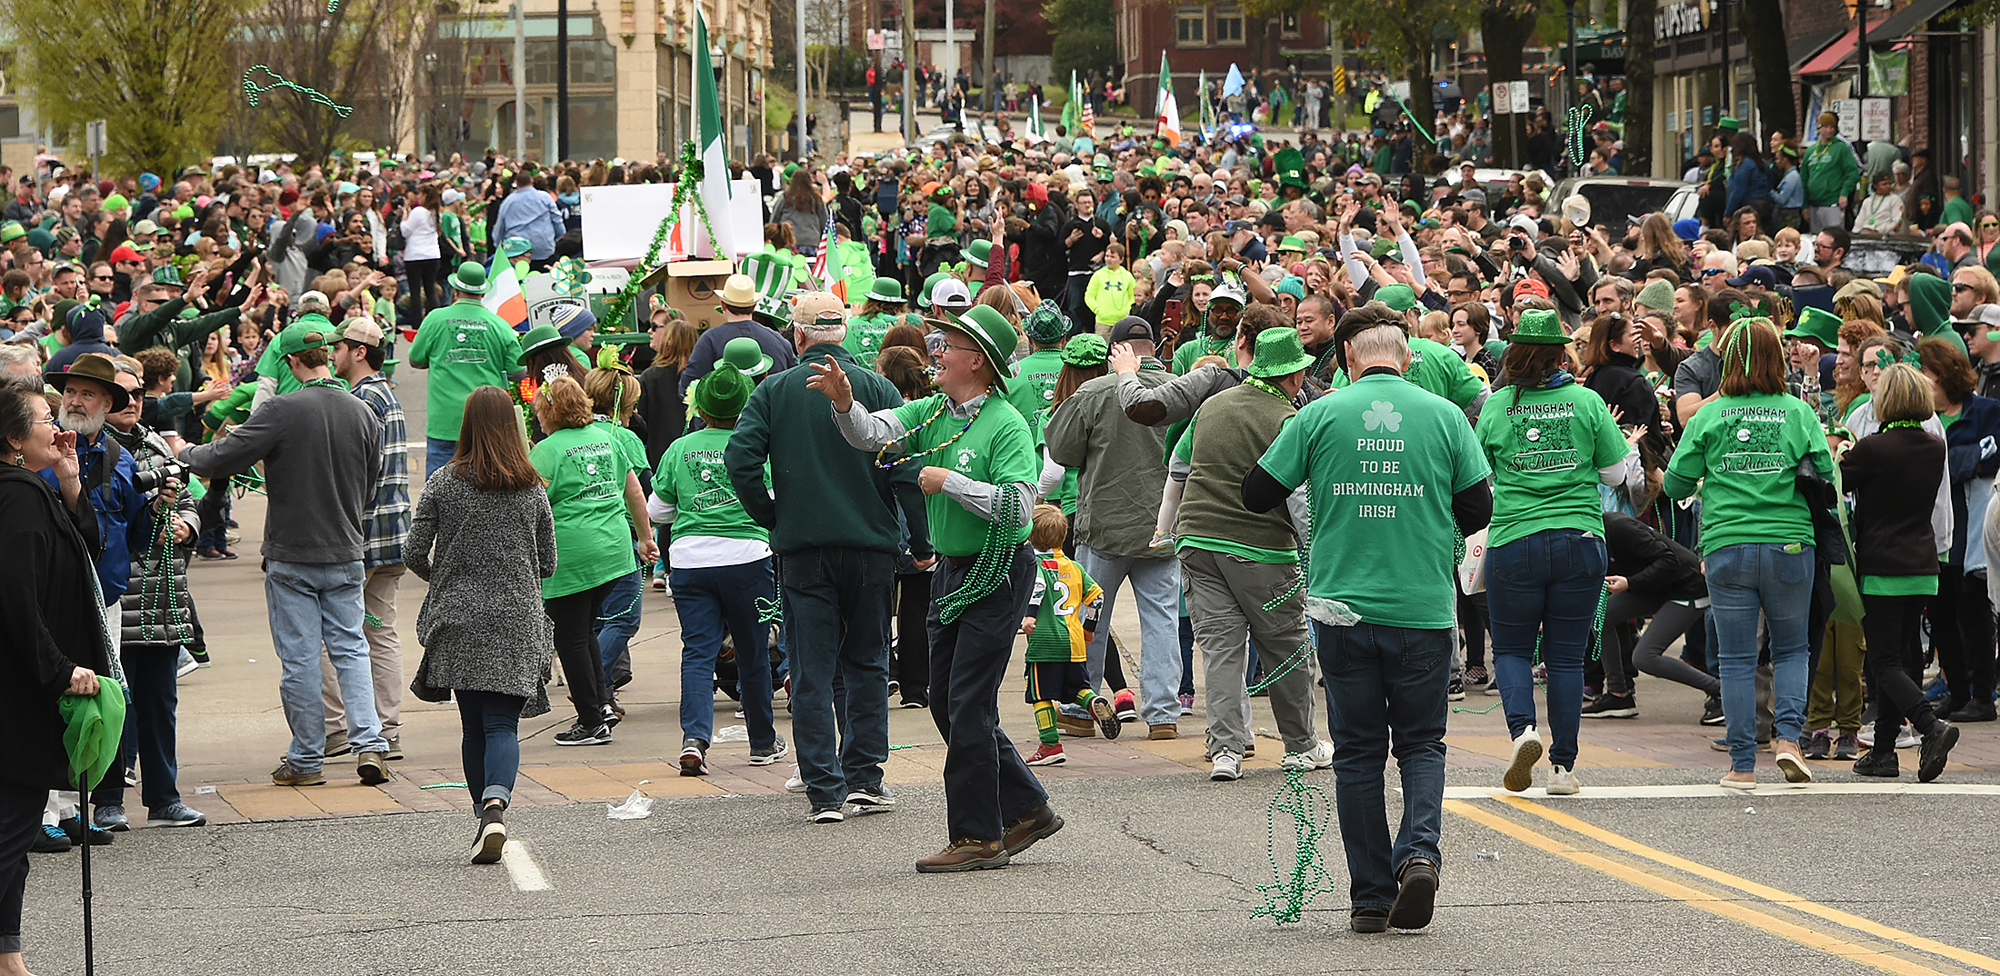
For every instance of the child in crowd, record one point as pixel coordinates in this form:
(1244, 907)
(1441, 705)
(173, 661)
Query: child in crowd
(1061, 619)
(1109, 294)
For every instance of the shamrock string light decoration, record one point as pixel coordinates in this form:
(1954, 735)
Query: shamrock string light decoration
(254, 89)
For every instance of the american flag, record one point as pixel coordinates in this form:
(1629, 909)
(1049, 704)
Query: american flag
(1085, 116)
(825, 246)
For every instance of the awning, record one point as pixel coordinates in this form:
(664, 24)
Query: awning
(1830, 59)
(1909, 20)
(1798, 53)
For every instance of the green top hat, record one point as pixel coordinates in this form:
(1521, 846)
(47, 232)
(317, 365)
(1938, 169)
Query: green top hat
(722, 393)
(886, 290)
(978, 251)
(1728, 124)
(1279, 353)
(1819, 325)
(1540, 326)
(1088, 349)
(746, 356)
(469, 279)
(996, 338)
(539, 337)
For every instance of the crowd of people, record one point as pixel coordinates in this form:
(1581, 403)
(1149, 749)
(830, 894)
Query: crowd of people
(1272, 395)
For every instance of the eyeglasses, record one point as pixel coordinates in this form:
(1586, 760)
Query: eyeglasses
(971, 349)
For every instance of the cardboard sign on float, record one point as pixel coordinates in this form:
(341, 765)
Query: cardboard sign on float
(693, 287)
(618, 227)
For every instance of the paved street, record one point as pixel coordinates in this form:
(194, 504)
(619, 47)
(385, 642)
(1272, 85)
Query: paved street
(1652, 869)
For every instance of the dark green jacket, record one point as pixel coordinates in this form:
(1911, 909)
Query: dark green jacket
(827, 494)
(163, 326)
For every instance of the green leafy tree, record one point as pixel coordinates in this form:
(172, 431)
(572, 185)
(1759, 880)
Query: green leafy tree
(1083, 37)
(153, 69)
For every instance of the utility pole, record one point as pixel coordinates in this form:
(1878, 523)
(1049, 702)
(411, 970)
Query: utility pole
(562, 80)
(992, 90)
(909, 70)
(800, 115)
(520, 86)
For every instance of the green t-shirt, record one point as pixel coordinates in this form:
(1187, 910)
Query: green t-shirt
(465, 347)
(1957, 211)
(1034, 384)
(629, 445)
(585, 471)
(1186, 353)
(1436, 368)
(1545, 447)
(1748, 449)
(865, 332)
(1384, 458)
(694, 480)
(997, 448)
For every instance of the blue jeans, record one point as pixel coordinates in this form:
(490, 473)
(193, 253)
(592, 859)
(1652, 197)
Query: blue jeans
(315, 604)
(437, 454)
(1544, 586)
(708, 601)
(837, 626)
(1386, 685)
(491, 748)
(1744, 579)
(620, 619)
(1156, 584)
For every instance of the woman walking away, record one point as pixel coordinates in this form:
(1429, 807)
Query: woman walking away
(483, 538)
(1896, 556)
(595, 497)
(1752, 445)
(52, 637)
(1550, 442)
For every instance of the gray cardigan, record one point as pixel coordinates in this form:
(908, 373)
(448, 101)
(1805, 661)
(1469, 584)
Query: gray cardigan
(484, 554)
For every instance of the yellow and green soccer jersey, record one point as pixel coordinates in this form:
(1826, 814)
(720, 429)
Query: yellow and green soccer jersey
(1065, 607)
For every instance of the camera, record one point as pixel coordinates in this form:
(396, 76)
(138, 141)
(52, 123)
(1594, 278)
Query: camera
(156, 477)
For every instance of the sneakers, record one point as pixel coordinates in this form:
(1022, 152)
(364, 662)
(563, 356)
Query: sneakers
(826, 815)
(175, 814)
(110, 817)
(1127, 705)
(187, 665)
(659, 584)
(1521, 771)
(1476, 676)
(1795, 769)
(910, 701)
(766, 755)
(1168, 731)
(965, 854)
(1187, 704)
(797, 783)
(694, 758)
(1226, 766)
(1562, 782)
(1878, 762)
(395, 753)
(336, 745)
(492, 837)
(584, 735)
(1050, 754)
(51, 840)
(1455, 691)
(1037, 824)
(1975, 712)
(372, 769)
(1908, 737)
(866, 800)
(1612, 706)
(1847, 746)
(73, 828)
(1070, 725)
(289, 775)
(1315, 759)
(1416, 901)
(1108, 724)
(1819, 745)
(1936, 749)
(1711, 711)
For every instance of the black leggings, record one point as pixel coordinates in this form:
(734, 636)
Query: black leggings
(575, 617)
(425, 293)
(1893, 665)
(20, 821)
(913, 640)
(1962, 634)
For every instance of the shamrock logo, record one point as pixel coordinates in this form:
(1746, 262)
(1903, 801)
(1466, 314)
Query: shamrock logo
(965, 456)
(1382, 413)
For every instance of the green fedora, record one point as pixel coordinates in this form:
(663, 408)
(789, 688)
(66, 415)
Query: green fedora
(1817, 324)
(539, 337)
(978, 252)
(747, 356)
(1540, 327)
(1279, 353)
(887, 290)
(723, 392)
(469, 279)
(995, 335)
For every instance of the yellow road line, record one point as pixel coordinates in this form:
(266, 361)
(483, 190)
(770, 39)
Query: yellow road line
(1693, 898)
(1765, 892)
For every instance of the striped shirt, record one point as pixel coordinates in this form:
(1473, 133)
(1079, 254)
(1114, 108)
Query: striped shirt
(386, 522)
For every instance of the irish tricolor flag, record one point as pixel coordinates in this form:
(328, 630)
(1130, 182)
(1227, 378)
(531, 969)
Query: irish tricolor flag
(1168, 124)
(503, 295)
(710, 142)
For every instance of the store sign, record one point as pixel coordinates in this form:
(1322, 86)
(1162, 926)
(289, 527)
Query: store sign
(1680, 18)
(1848, 111)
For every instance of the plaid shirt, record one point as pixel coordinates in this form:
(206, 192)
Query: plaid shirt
(386, 523)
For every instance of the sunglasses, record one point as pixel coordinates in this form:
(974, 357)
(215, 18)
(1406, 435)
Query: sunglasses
(103, 278)
(1961, 286)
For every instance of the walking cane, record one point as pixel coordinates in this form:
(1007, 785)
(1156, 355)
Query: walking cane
(83, 822)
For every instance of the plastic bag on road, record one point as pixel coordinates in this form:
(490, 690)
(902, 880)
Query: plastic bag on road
(638, 806)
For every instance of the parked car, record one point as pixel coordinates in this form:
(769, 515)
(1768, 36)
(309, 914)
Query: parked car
(1617, 202)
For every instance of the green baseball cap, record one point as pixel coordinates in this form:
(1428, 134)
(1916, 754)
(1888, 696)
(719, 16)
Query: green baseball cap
(1399, 296)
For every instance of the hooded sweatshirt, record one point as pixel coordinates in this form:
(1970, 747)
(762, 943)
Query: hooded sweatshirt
(1930, 308)
(86, 334)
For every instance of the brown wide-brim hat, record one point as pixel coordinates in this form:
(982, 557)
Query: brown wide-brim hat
(97, 368)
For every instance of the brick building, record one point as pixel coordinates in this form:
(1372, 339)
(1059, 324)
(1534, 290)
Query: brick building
(1210, 38)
